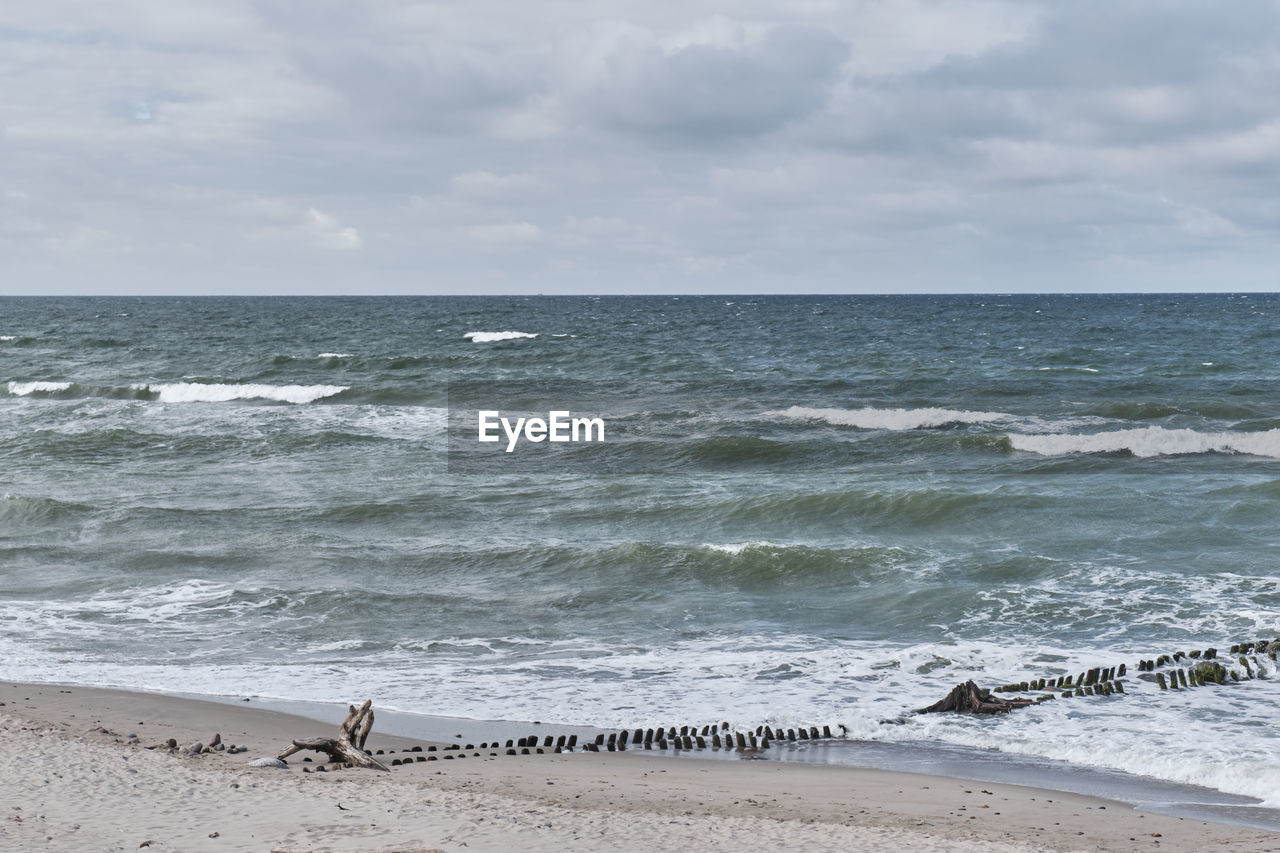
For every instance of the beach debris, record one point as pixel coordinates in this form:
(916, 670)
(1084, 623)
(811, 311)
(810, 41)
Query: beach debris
(348, 746)
(969, 698)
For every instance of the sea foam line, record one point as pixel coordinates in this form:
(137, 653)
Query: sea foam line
(490, 337)
(199, 392)
(1151, 441)
(22, 389)
(889, 419)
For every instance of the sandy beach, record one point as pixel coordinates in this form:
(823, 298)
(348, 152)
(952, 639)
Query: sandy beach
(77, 781)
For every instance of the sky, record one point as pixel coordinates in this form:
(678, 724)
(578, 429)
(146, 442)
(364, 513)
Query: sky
(860, 146)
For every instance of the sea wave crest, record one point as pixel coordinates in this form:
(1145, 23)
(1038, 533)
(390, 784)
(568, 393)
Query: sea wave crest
(1151, 441)
(200, 392)
(490, 337)
(22, 389)
(889, 419)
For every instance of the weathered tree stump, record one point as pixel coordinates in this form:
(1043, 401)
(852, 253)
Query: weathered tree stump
(348, 746)
(969, 698)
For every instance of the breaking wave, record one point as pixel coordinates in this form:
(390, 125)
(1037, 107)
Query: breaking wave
(198, 392)
(491, 337)
(23, 389)
(1151, 441)
(890, 419)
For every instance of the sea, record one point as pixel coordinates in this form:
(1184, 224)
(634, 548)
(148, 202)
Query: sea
(818, 510)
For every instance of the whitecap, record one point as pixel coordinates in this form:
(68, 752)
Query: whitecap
(736, 548)
(490, 337)
(198, 392)
(890, 419)
(1151, 441)
(334, 355)
(1070, 369)
(8, 337)
(22, 389)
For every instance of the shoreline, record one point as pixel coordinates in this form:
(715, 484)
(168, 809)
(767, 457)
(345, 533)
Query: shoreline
(72, 796)
(949, 761)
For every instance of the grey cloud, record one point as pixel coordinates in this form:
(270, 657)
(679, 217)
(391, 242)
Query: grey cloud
(713, 91)
(1100, 44)
(639, 146)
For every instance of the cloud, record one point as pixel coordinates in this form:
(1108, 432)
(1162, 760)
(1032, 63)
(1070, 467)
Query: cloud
(505, 234)
(867, 145)
(328, 233)
(276, 221)
(623, 77)
(489, 185)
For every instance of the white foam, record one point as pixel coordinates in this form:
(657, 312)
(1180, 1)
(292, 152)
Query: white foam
(890, 419)
(8, 337)
(22, 389)
(334, 355)
(1072, 369)
(1217, 737)
(738, 547)
(199, 392)
(1151, 441)
(490, 337)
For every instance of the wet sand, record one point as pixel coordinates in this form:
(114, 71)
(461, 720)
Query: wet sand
(70, 786)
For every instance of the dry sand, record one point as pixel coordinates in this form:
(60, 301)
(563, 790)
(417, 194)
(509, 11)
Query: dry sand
(66, 786)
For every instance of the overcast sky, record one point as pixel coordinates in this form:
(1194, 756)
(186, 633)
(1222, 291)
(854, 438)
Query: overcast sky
(168, 146)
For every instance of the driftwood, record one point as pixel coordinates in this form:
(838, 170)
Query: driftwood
(969, 698)
(348, 746)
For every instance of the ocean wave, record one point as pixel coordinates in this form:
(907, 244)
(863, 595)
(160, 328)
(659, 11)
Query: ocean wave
(737, 450)
(491, 337)
(23, 389)
(738, 547)
(199, 392)
(1068, 368)
(335, 355)
(1151, 441)
(7, 338)
(889, 419)
(24, 510)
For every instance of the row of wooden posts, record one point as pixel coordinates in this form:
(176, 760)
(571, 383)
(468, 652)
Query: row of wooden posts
(1195, 668)
(685, 738)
